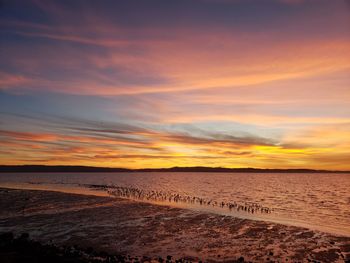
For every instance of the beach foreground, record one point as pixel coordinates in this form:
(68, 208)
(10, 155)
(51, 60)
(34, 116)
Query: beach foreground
(125, 227)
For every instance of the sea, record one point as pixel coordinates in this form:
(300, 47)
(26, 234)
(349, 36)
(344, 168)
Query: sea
(318, 201)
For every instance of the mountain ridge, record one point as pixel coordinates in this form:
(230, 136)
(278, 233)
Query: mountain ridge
(91, 169)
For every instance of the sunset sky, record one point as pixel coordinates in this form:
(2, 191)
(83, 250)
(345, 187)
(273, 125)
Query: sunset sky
(162, 83)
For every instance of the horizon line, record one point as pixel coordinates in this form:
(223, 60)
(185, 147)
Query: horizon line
(84, 168)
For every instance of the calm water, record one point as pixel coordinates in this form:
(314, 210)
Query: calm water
(317, 201)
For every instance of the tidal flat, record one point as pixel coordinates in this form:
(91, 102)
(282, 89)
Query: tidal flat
(126, 227)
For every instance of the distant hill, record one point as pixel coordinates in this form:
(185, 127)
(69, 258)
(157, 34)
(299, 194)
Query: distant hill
(91, 169)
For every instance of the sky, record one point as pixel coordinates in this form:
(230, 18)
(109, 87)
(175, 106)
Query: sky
(163, 83)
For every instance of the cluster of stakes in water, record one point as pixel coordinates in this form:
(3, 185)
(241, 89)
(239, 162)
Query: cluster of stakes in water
(160, 196)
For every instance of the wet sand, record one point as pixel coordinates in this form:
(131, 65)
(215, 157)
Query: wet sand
(139, 229)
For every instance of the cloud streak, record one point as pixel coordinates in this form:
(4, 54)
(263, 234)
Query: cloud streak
(125, 83)
(120, 145)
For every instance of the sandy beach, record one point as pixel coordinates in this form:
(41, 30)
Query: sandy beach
(140, 229)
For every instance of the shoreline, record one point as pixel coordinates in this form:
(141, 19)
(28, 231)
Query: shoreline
(93, 191)
(142, 229)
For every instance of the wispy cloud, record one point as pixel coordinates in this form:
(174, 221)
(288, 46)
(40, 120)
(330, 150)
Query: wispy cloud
(227, 83)
(118, 144)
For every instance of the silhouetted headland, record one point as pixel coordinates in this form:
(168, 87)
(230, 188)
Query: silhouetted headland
(91, 169)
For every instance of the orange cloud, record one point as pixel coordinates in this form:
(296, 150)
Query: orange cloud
(282, 87)
(163, 149)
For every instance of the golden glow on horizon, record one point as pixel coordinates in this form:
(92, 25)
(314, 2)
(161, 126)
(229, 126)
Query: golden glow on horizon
(167, 150)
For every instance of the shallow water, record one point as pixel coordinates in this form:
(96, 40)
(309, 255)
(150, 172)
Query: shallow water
(317, 201)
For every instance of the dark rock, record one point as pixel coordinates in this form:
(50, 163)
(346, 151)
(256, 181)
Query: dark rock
(6, 237)
(24, 236)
